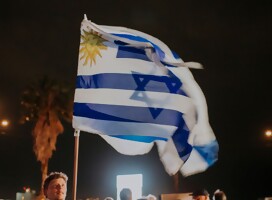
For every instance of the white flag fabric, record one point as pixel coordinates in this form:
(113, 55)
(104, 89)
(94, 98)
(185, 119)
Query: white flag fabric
(134, 91)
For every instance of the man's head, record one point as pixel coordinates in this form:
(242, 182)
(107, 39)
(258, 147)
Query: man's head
(219, 195)
(126, 194)
(201, 195)
(55, 186)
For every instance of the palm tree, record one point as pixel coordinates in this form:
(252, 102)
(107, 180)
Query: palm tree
(45, 104)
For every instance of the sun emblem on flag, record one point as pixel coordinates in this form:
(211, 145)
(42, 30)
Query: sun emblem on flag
(90, 47)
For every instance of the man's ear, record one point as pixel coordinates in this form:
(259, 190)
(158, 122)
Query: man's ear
(45, 193)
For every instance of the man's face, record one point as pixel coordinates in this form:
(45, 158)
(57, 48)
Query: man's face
(56, 189)
(201, 197)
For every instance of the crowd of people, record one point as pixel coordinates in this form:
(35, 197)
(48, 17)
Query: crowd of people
(203, 194)
(55, 188)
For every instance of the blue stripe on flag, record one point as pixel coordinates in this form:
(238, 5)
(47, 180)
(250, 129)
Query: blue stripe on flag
(141, 39)
(131, 52)
(139, 138)
(180, 138)
(128, 114)
(209, 152)
(175, 55)
(136, 82)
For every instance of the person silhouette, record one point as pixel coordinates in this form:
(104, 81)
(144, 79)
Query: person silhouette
(126, 194)
(219, 195)
(201, 194)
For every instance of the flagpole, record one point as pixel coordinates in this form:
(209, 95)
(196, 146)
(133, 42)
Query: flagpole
(176, 182)
(76, 134)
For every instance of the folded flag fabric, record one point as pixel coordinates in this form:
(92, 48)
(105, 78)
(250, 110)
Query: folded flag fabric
(134, 91)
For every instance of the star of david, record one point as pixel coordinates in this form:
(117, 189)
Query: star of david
(171, 83)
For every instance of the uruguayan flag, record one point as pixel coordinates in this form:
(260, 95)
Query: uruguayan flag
(133, 91)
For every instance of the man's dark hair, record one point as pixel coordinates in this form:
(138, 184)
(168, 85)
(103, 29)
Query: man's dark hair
(220, 195)
(125, 194)
(52, 176)
(200, 192)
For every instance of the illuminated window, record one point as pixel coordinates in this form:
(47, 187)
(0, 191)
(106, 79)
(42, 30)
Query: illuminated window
(134, 182)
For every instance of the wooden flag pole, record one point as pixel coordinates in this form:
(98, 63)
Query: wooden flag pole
(176, 182)
(76, 134)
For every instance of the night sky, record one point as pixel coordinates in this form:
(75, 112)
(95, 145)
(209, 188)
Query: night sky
(232, 39)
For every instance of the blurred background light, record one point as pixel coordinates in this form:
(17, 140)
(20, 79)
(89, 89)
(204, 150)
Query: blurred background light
(133, 181)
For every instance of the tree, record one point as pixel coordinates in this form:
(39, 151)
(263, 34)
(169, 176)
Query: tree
(46, 103)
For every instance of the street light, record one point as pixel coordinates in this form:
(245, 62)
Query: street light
(268, 133)
(4, 123)
(268, 137)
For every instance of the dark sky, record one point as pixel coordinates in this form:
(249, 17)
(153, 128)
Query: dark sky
(232, 39)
